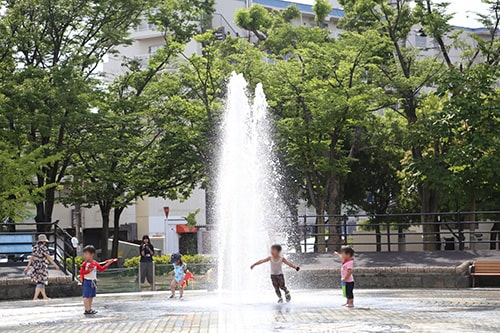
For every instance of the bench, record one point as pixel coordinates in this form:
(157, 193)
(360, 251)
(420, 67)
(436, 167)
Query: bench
(484, 268)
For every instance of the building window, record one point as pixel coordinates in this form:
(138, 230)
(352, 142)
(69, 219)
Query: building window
(420, 41)
(145, 26)
(153, 48)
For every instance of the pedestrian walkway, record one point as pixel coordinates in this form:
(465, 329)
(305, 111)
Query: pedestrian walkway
(427, 310)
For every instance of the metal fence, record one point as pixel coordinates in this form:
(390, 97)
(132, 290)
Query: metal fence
(115, 280)
(16, 244)
(397, 232)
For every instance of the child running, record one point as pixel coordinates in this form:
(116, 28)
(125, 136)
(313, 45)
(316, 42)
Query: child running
(88, 276)
(347, 279)
(179, 272)
(277, 277)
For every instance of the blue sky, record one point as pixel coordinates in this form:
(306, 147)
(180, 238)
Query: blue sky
(463, 9)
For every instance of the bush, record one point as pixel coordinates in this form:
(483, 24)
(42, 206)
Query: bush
(78, 262)
(165, 260)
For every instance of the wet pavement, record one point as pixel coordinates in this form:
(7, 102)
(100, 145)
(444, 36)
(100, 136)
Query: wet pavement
(415, 310)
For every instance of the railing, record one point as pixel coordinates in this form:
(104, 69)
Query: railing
(59, 244)
(397, 232)
(117, 280)
(223, 22)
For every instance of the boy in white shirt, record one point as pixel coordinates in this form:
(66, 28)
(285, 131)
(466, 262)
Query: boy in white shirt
(277, 276)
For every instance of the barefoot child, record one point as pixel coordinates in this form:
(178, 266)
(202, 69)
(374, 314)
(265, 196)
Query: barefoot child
(180, 270)
(277, 277)
(88, 276)
(347, 256)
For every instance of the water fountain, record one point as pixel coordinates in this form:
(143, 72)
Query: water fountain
(248, 207)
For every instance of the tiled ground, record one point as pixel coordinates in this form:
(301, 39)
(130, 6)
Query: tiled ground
(413, 310)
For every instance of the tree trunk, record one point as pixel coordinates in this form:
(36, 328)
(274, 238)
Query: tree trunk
(471, 221)
(429, 198)
(105, 212)
(334, 212)
(401, 239)
(44, 210)
(495, 236)
(116, 230)
(293, 229)
(209, 205)
(430, 202)
(319, 239)
(378, 234)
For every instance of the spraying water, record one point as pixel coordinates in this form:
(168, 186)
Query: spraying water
(248, 207)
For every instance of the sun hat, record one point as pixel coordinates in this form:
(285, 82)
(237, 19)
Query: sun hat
(42, 238)
(175, 258)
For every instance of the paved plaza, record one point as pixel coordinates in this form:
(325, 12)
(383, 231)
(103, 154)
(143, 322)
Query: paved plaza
(310, 311)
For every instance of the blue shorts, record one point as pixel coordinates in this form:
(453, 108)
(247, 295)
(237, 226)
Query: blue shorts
(89, 290)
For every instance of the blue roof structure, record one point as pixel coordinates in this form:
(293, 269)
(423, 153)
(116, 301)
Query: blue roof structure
(302, 7)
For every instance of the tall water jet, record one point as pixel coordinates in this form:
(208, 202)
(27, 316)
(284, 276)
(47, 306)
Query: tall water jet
(248, 207)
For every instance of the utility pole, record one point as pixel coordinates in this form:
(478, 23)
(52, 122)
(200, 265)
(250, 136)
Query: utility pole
(78, 227)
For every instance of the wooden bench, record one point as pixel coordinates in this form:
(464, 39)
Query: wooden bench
(484, 268)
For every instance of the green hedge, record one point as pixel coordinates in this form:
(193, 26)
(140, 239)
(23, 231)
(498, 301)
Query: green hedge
(78, 261)
(201, 263)
(165, 259)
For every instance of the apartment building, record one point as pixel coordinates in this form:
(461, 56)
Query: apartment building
(147, 40)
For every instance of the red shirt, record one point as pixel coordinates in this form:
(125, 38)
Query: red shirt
(88, 270)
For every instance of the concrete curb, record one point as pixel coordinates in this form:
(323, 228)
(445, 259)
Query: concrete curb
(23, 288)
(387, 277)
(308, 278)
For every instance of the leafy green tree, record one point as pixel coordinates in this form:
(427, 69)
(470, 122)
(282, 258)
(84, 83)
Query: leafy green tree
(321, 10)
(56, 47)
(457, 160)
(373, 183)
(255, 19)
(16, 181)
(290, 13)
(140, 141)
(321, 96)
(489, 48)
(135, 147)
(405, 73)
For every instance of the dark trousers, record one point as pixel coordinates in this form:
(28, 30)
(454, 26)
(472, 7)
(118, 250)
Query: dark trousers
(349, 287)
(279, 283)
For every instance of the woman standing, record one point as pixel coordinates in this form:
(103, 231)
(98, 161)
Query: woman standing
(39, 262)
(146, 264)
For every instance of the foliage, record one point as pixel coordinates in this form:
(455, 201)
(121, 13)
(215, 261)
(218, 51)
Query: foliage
(165, 260)
(321, 98)
(364, 114)
(374, 183)
(321, 10)
(191, 218)
(465, 128)
(405, 72)
(51, 50)
(16, 188)
(255, 19)
(78, 262)
(133, 147)
(291, 12)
